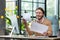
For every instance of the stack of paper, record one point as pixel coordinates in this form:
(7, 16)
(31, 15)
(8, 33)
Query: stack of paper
(37, 27)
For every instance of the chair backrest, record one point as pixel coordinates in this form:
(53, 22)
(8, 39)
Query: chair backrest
(54, 22)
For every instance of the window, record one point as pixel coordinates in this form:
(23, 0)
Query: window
(31, 5)
(52, 15)
(50, 7)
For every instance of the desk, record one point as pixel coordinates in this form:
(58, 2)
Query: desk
(28, 38)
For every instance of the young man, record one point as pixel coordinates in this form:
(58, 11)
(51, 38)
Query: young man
(42, 20)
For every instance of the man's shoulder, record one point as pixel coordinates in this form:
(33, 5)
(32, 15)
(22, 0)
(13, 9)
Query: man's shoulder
(47, 20)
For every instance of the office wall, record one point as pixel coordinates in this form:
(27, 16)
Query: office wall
(2, 21)
(2, 13)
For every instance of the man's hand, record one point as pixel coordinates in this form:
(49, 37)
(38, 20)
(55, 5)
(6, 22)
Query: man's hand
(24, 21)
(45, 34)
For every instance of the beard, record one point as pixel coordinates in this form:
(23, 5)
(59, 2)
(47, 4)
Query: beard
(39, 18)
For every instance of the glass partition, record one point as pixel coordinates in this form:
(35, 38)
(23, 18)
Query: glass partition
(11, 17)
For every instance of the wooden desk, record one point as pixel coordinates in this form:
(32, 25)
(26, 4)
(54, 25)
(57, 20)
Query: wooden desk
(29, 38)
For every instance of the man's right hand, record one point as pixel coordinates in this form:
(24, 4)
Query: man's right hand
(24, 21)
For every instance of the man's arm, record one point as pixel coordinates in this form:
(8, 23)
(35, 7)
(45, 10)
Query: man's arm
(27, 28)
(49, 32)
(49, 29)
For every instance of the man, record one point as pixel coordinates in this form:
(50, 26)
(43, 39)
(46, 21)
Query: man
(42, 20)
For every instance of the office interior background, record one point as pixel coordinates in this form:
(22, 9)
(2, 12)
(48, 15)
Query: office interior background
(9, 8)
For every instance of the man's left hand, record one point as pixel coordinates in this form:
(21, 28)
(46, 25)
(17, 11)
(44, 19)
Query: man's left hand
(45, 33)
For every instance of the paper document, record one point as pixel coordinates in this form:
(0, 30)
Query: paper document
(37, 27)
(26, 16)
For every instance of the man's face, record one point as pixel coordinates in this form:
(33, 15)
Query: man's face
(39, 14)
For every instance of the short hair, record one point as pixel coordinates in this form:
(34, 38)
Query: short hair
(39, 8)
